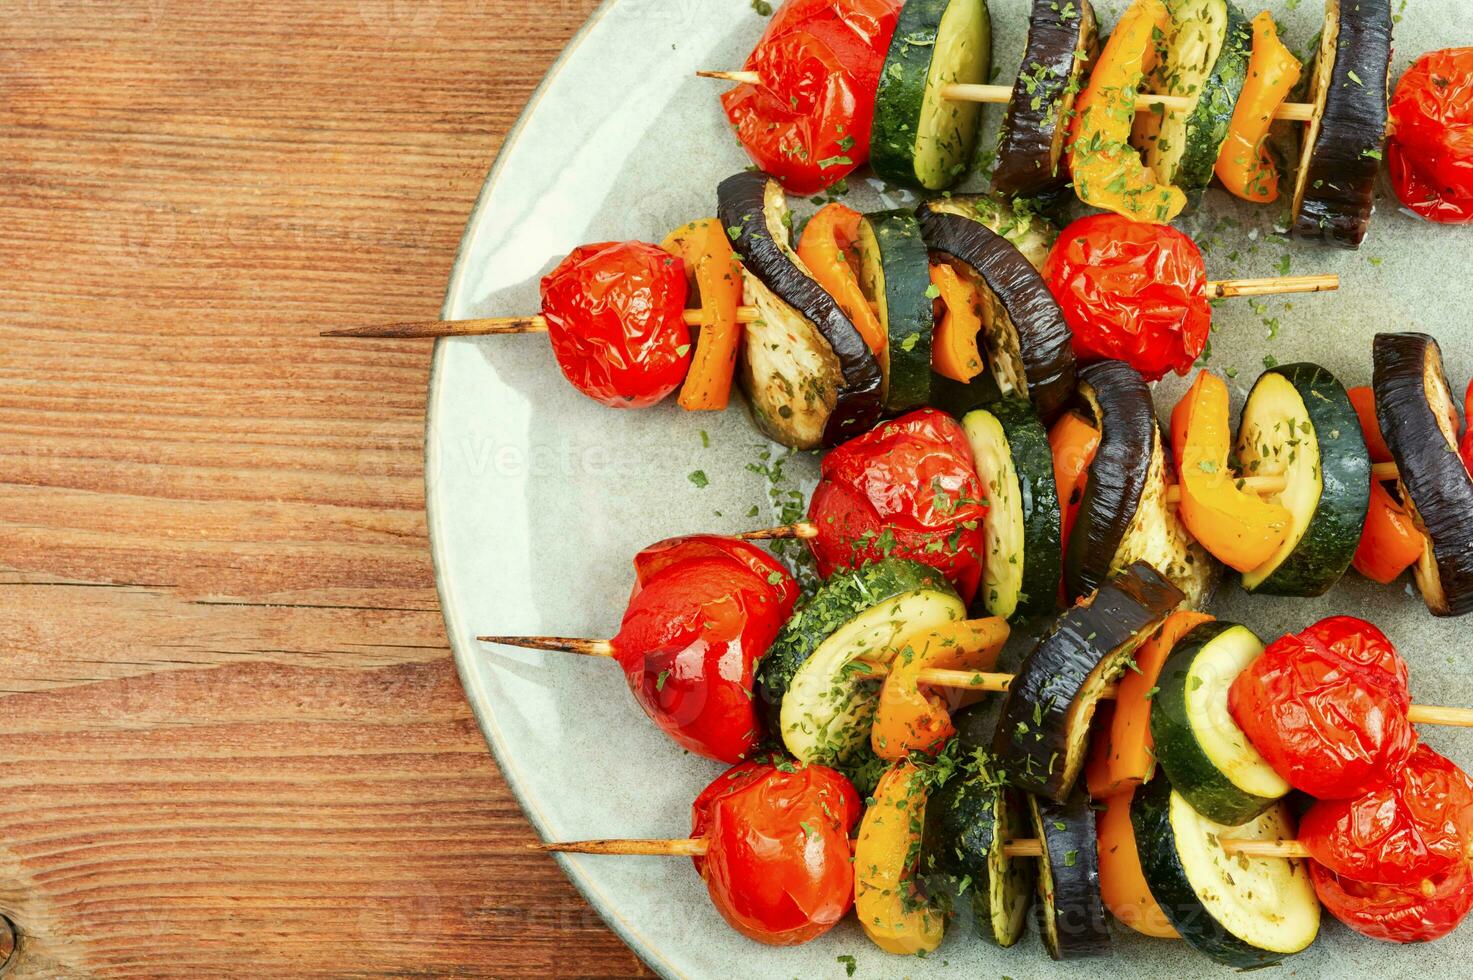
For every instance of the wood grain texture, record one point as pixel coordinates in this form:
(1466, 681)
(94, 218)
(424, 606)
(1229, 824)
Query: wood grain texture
(233, 739)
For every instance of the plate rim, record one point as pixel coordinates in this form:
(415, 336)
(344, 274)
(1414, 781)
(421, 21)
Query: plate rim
(461, 653)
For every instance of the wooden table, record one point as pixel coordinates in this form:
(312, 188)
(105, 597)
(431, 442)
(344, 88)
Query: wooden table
(233, 738)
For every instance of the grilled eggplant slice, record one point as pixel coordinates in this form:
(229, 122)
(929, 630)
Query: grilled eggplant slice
(1063, 38)
(921, 138)
(809, 375)
(1016, 220)
(1070, 911)
(1027, 340)
(1419, 419)
(1243, 912)
(895, 275)
(1043, 730)
(1123, 516)
(1299, 423)
(969, 820)
(1334, 192)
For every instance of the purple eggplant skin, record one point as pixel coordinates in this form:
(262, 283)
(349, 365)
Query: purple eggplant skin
(1334, 196)
(1043, 730)
(741, 207)
(1073, 900)
(1045, 343)
(1117, 476)
(1411, 391)
(1063, 38)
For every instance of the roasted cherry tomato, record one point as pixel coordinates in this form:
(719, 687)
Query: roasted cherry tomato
(692, 635)
(1430, 154)
(1468, 432)
(778, 863)
(907, 489)
(1397, 913)
(1133, 292)
(808, 122)
(1417, 827)
(1327, 708)
(661, 555)
(616, 317)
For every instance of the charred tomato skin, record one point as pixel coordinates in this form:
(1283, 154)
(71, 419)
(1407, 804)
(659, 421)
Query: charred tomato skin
(778, 864)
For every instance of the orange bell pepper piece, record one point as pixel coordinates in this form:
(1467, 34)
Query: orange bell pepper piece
(716, 276)
(890, 906)
(909, 719)
(1364, 401)
(1241, 529)
(1074, 441)
(954, 350)
(1122, 882)
(1128, 758)
(828, 249)
(1243, 164)
(1390, 542)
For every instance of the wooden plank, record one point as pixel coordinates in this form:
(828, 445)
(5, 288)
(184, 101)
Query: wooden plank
(234, 740)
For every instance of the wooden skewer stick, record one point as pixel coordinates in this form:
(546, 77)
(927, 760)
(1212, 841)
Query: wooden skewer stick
(1003, 94)
(1023, 847)
(495, 326)
(962, 680)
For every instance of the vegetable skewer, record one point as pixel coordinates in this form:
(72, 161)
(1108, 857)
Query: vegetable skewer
(1022, 847)
(962, 680)
(1003, 94)
(494, 326)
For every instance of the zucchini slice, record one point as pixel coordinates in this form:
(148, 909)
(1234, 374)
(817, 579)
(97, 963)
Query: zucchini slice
(1123, 517)
(1335, 189)
(1207, 60)
(809, 375)
(895, 274)
(1242, 912)
(920, 138)
(1063, 38)
(1027, 340)
(1298, 423)
(1418, 416)
(826, 701)
(1198, 744)
(957, 399)
(1020, 573)
(968, 822)
(1043, 730)
(1070, 911)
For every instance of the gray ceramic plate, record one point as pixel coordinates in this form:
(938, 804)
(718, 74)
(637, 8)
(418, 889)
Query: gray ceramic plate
(538, 497)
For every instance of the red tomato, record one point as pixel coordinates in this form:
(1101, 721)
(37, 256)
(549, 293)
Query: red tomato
(907, 489)
(808, 122)
(1468, 434)
(1397, 913)
(1327, 708)
(661, 555)
(1133, 292)
(1431, 150)
(1415, 828)
(616, 318)
(778, 864)
(691, 638)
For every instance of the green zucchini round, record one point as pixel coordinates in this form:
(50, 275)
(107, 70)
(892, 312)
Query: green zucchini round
(1024, 552)
(1242, 912)
(1298, 421)
(968, 822)
(895, 272)
(1206, 59)
(919, 137)
(1204, 753)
